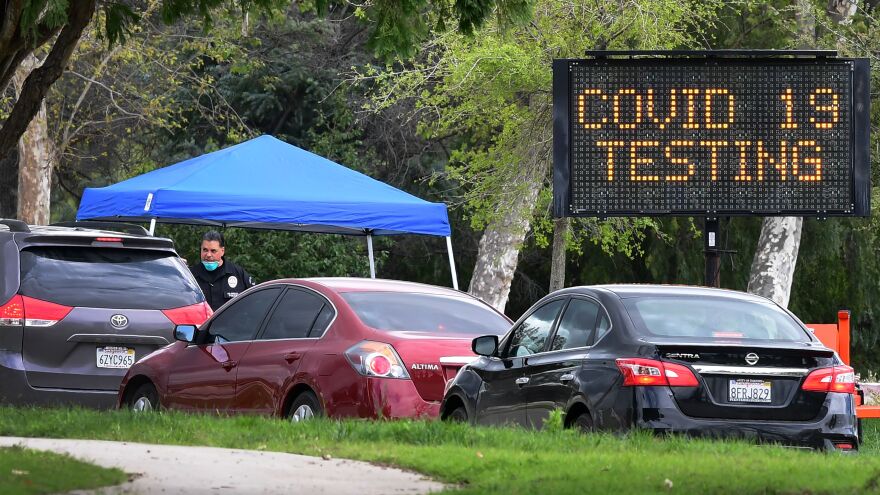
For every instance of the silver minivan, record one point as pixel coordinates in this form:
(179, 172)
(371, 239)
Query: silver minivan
(78, 306)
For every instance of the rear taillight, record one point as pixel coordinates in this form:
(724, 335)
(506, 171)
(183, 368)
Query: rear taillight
(32, 312)
(376, 359)
(195, 314)
(840, 379)
(650, 372)
(39, 313)
(12, 313)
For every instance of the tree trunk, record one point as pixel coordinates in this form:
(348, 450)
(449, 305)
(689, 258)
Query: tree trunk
(773, 267)
(776, 255)
(36, 159)
(9, 185)
(503, 238)
(842, 11)
(499, 248)
(557, 263)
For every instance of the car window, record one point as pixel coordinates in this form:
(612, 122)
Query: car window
(713, 318)
(576, 326)
(429, 313)
(241, 320)
(322, 321)
(531, 335)
(602, 328)
(294, 315)
(107, 278)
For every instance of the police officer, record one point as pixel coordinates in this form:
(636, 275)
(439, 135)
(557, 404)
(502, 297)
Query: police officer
(220, 279)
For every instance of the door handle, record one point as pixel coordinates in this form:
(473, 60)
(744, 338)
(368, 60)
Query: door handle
(290, 357)
(228, 365)
(522, 381)
(566, 378)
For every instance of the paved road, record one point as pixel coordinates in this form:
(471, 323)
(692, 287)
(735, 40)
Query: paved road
(169, 470)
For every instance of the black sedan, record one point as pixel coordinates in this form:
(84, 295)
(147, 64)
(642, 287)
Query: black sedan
(700, 361)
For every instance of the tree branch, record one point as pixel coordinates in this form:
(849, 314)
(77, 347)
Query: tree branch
(38, 82)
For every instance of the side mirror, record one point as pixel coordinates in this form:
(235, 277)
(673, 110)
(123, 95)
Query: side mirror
(487, 345)
(185, 333)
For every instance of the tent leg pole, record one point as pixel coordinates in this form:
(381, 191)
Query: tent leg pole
(451, 262)
(370, 252)
(152, 225)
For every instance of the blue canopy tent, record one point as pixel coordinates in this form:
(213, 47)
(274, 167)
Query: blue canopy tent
(267, 183)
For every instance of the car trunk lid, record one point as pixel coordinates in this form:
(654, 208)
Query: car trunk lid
(749, 381)
(432, 361)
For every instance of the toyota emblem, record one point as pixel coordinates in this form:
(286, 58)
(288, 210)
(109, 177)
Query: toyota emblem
(119, 321)
(751, 359)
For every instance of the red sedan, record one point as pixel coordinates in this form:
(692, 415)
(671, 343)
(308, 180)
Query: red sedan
(297, 348)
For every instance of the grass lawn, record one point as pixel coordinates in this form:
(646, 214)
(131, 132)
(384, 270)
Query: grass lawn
(493, 460)
(24, 471)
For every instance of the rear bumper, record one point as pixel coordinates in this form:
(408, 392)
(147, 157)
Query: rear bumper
(15, 389)
(392, 398)
(656, 410)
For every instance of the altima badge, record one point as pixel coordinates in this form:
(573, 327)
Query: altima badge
(119, 321)
(420, 366)
(751, 359)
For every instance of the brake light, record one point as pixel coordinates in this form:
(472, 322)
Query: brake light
(12, 313)
(839, 379)
(39, 313)
(650, 372)
(376, 359)
(195, 314)
(108, 239)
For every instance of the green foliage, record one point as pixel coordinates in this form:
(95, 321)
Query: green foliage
(399, 26)
(48, 14)
(24, 471)
(485, 460)
(555, 423)
(488, 97)
(269, 255)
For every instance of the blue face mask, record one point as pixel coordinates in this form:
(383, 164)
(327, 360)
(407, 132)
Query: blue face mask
(210, 265)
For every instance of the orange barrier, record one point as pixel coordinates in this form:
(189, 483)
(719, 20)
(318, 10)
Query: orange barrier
(836, 336)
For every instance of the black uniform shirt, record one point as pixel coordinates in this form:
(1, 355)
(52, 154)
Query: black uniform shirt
(224, 283)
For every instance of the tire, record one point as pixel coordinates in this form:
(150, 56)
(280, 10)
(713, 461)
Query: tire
(144, 399)
(305, 407)
(458, 415)
(583, 423)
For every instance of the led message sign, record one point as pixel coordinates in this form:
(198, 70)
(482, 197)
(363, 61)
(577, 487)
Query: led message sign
(711, 136)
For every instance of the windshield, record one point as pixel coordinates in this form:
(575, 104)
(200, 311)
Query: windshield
(425, 313)
(712, 318)
(107, 278)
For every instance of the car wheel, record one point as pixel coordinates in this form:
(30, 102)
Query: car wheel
(144, 399)
(458, 415)
(584, 423)
(304, 408)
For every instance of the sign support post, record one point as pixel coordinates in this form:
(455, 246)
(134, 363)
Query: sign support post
(713, 255)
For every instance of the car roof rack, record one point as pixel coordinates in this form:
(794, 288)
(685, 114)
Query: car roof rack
(128, 228)
(15, 225)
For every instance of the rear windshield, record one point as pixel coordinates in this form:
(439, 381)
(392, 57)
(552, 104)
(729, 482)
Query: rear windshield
(712, 318)
(425, 313)
(107, 278)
